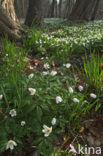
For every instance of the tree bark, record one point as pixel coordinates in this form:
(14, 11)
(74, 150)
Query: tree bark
(21, 7)
(84, 10)
(95, 10)
(9, 26)
(53, 8)
(8, 5)
(60, 7)
(34, 14)
(69, 7)
(46, 6)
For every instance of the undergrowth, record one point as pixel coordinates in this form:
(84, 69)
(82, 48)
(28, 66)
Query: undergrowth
(36, 109)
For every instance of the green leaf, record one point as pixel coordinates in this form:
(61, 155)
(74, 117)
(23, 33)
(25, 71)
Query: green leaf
(39, 113)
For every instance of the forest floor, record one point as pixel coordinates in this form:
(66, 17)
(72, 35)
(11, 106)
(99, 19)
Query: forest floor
(55, 78)
(91, 131)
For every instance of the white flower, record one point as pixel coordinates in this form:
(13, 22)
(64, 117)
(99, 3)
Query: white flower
(12, 112)
(11, 144)
(31, 76)
(72, 149)
(45, 73)
(23, 123)
(32, 91)
(80, 88)
(46, 66)
(53, 121)
(46, 57)
(71, 90)
(75, 100)
(68, 65)
(53, 73)
(42, 58)
(46, 130)
(7, 55)
(87, 85)
(93, 95)
(1, 96)
(58, 99)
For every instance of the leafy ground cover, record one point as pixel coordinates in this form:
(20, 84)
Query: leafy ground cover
(66, 40)
(49, 91)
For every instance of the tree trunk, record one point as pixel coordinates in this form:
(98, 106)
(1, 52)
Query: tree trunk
(21, 7)
(56, 9)
(60, 7)
(8, 5)
(34, 14)
(9, 26)
(95, 10)
(53, 8)
(84, 10)
(69, 7)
